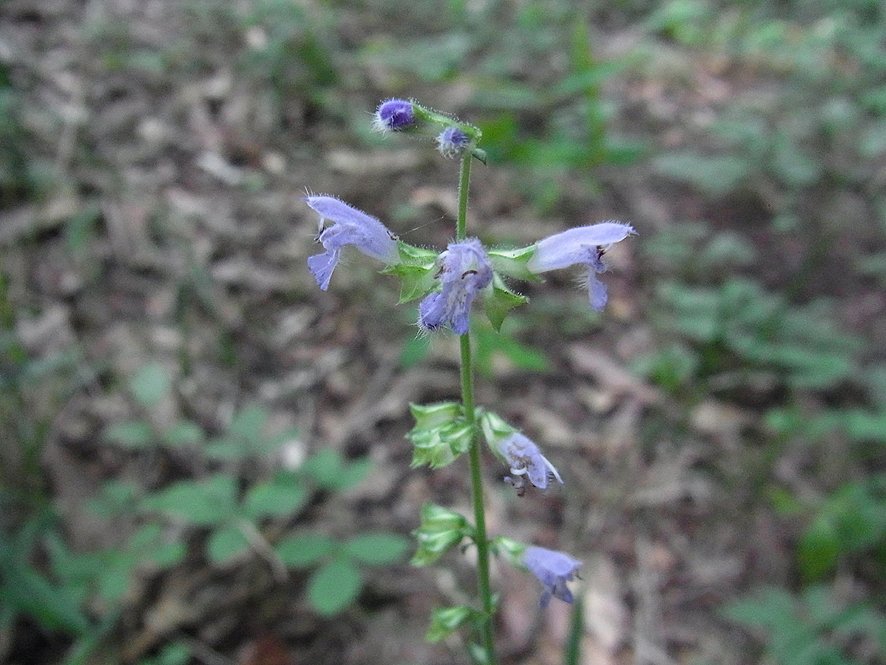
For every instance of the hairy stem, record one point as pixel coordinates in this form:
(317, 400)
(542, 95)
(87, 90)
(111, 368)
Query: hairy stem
(467, 396)
(464, 181)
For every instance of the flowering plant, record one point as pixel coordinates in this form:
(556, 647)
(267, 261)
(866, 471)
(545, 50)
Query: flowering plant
(448, 284)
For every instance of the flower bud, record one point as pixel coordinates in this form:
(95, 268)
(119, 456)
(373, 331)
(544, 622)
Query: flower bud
(394, 115)
(452, 141)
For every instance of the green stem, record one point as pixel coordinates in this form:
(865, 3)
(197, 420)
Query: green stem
(467, 396)
(464, 182)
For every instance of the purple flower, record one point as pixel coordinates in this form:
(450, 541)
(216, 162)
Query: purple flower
(526, 460)
(452, 141)
(584, 244)
(554, 569)
(350, 227)
(464, 272)
(393, 115)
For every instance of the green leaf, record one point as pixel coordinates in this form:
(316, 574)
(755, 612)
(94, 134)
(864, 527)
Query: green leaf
(201, 502)
(440, 530)
(512, 262)
(145, 536)
(302, 550)
(330, 471)
(166, 555)
(500, 302)
(818, 549)
(352, 474)
(172, 654)
(182, 433)
(115, 496)
(150, 384)
(52, 607)
(441, 444)
(249, 423)
(325, 466)
(377, 548)
(415, 270)
(226, 543)
(446, 620)
(134, 434)
(281, 496)
(113, 583)
(226, 449)
(334, 586)
(865, 426)
(440, 435)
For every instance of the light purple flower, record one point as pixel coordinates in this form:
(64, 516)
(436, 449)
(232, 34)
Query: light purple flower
(526, 460)
(452, 141)
(350, 227)
(554, 569)
(393, 115)
(583, 244)
(464, 272)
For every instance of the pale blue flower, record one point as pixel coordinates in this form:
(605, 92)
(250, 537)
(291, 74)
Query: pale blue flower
(554, 569)
(525, 459)
(584, 244)
(464, 271)
(350, 227)
(452, 141)
(393, 115)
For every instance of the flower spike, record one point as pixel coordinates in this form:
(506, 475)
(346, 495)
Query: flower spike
(350, 227)
(554, 569)
(584, 244)
(464, 272)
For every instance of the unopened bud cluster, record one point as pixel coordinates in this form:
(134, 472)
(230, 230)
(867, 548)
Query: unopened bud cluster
(451, 136)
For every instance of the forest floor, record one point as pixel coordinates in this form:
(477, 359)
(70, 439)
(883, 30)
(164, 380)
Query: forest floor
(173, 233)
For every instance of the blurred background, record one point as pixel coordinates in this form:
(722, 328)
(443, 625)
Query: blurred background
(202, 456)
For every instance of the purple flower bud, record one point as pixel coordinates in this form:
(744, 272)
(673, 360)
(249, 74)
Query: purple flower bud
(526, 460)
(464, 272)
(452, 141)
(584, 244)
(393, 115)
(350, 227)
(554, 569)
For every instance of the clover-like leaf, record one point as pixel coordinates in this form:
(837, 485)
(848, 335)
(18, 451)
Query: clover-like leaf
(302, 550)
(226, 543)
(150, 384)
(334, 586)
(376, 548)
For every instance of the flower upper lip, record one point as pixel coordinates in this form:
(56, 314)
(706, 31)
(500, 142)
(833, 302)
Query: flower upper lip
(585, 245)
(350, 227)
